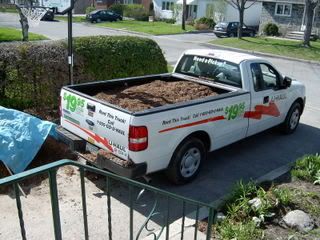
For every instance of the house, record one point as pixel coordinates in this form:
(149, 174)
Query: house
(220, 10)
(102, 4)
(289, 15)
(81, 5)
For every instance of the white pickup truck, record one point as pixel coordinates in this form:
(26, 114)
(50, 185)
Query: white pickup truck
(252, 97)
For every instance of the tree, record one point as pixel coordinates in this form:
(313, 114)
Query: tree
(310, 5)
(24, 24)
(184, 14)
(241, 6)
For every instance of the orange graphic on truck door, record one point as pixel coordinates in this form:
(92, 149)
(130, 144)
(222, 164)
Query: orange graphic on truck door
(259, 110)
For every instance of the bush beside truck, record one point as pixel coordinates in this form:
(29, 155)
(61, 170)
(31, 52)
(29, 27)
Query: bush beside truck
(32, 74)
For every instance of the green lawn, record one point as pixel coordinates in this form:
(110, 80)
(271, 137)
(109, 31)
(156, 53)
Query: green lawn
(11, 34)
(275, 46)
(155, 28)
(74, 19)
(8, 9)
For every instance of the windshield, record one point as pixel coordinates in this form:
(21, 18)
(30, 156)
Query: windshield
(212, 69)
(222, 24)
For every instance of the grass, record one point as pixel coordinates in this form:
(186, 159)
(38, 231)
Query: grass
(8, 9)
(11, 34)
(307, 168)
(170, 68)
(155, 28)
(74, 19)
(280, 47)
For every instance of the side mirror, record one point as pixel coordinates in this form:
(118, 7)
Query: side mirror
(286, 82)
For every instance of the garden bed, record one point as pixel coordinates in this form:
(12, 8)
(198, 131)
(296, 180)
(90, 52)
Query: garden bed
(284, 211)
(155, 94)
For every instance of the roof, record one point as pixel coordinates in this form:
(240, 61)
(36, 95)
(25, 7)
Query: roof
(285, 1)
(229, 56)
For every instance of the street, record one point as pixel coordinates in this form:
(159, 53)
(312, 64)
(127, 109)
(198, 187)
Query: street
(247, 159)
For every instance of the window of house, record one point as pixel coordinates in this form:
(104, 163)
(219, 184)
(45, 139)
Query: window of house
(167, 5)
(283, 9)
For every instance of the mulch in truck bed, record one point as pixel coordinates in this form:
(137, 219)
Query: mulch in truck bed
(154, 94)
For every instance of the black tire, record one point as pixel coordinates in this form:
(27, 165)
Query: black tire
(232, 35)
(192, 146)
(292, 119)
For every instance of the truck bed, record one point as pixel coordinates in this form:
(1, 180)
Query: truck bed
(139, 94)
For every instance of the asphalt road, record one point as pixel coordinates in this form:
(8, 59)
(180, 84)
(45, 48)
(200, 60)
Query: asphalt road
(247, 159)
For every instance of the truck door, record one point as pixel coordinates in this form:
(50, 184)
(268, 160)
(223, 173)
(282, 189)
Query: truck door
(268, 105)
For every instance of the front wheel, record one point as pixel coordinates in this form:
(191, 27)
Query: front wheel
(292, 119)
(186, 161)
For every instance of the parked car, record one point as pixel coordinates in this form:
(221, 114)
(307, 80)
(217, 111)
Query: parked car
(49, 16)
(230, 29)
(103, 15)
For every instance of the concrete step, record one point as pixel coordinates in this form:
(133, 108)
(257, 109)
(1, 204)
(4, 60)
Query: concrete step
(299, 35)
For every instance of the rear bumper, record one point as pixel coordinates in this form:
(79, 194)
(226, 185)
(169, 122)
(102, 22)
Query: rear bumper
(79, 145)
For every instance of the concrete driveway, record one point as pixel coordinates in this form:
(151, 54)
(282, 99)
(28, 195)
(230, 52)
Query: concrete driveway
(248, 159)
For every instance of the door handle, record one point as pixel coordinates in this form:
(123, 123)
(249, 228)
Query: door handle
(266, 99)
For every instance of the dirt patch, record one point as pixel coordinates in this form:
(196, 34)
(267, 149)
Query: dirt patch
(51, 151)
(48, 114)
(155, 94)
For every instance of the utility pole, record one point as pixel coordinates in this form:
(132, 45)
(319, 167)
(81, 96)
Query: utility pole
(70, 47)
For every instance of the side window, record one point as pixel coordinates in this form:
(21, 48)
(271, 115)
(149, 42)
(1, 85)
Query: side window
(264, 77)
(270, 76)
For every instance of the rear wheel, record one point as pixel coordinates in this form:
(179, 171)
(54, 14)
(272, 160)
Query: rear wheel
(186, 161)
(292, 119)
(232, 35)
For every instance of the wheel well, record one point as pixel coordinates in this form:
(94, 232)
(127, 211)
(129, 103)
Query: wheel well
(301, 102)
(203, 136)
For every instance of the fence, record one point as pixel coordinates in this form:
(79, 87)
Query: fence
(161, 204)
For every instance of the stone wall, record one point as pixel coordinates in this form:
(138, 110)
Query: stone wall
(286, 24)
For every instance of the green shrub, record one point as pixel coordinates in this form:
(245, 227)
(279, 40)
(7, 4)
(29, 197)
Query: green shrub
(32, 74)
(204, 23)
(307, 168)
(245, 230)
(136, 11)
(90, 9)
(271, 29)
(118, 8)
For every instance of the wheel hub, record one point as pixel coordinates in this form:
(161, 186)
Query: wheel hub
(190, 162)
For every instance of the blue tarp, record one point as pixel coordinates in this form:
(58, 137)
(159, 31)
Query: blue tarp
(21, 137)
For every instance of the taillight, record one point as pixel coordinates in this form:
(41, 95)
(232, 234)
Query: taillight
(60, 106)
(138, 138)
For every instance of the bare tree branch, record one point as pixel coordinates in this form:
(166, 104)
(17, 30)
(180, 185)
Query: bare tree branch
(253, 2)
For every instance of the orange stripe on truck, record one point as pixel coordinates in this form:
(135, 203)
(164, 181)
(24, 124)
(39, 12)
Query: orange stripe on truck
(96, 137)
(213, 119)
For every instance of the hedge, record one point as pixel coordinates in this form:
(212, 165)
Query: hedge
(32, 74)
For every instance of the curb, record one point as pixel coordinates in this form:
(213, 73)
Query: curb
(261, 53)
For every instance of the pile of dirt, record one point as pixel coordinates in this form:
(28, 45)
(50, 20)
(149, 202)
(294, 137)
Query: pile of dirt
(155, 94)
(51, 151)
(49, 114)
